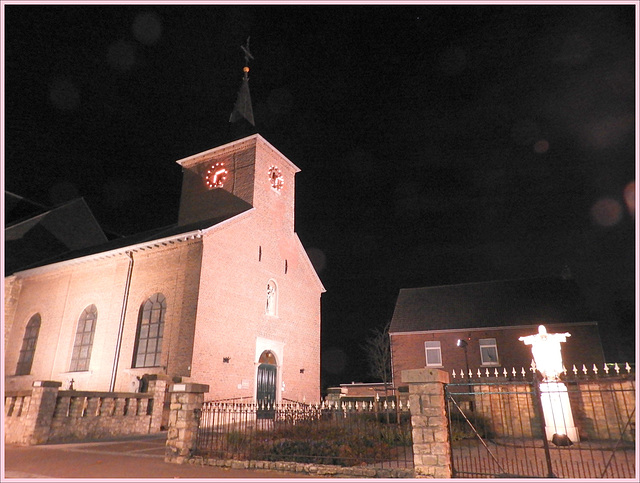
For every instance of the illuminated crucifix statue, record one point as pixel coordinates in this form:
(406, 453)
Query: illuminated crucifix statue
(559, 425)
(546, 352)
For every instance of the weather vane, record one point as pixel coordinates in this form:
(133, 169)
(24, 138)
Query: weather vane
(247, 56)
(242, 107)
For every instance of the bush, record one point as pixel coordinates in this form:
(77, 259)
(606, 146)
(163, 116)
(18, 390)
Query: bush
(460, 428)
(325, 442)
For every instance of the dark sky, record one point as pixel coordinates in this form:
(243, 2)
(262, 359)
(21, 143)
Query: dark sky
(438, 144)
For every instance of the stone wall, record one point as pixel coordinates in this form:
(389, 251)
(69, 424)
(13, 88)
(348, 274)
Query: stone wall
(604, 409)
(47, 415)
(508, 410)
(16, 408)
(431, 444)
(601, 408)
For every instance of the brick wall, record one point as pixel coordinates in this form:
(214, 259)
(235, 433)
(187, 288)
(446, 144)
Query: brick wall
(12, 286)
(240, 257)
(238, 263)
(62, 293)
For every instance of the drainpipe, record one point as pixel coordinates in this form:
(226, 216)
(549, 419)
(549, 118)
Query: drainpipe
(125, 299)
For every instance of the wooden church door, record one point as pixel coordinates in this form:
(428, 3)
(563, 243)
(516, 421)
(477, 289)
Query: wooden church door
(266, 386)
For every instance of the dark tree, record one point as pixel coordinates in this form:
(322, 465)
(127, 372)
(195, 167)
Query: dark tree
(378, 349)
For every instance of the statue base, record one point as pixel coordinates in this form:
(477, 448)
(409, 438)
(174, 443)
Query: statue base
(558, 417)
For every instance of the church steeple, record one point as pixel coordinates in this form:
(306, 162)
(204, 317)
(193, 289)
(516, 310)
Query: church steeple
(242, 114)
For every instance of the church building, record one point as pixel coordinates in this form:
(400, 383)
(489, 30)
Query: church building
(226, 297)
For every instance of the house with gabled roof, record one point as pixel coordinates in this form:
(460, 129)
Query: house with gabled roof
(476, 326)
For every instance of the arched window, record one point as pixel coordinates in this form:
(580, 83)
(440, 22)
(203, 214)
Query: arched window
(271, 307)
(150, 329)
(25, 359)
(84, 339)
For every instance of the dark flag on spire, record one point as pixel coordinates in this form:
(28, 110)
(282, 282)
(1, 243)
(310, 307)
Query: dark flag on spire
(242, 107)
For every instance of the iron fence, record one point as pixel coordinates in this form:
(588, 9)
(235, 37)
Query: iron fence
(345, 434)
(508, 424)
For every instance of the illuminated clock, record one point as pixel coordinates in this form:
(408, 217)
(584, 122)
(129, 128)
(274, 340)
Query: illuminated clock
(275, 178)
(216, 175)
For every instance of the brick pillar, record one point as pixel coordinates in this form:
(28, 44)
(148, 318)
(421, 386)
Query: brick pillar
(186, 407)
(40, 415)
(431, 445)
(158, 388)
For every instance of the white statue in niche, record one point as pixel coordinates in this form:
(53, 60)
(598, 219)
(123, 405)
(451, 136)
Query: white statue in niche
(271, 295)
(546, 352)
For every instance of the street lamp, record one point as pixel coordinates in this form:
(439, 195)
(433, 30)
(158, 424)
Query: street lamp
(463, 343)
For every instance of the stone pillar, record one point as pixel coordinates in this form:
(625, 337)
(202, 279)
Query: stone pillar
(184, 416)
(431, 445)
(41, 408)
(158, 388)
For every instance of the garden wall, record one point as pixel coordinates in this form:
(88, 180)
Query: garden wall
(47, 415)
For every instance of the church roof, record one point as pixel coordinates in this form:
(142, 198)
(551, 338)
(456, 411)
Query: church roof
(67, 228)
(241, 119)
(489, 304)
(150, 236)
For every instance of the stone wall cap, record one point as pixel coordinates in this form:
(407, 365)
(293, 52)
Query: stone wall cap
(47, 384)
(189, 387)
(417, 376)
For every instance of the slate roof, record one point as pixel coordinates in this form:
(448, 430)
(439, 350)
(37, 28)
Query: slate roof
(489, 304)
(148, 236)
(66, 228)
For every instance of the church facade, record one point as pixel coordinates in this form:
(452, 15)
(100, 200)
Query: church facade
(226, 297)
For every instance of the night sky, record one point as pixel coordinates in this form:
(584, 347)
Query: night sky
(438, 144)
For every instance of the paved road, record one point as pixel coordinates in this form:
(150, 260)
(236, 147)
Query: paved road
(140, 457)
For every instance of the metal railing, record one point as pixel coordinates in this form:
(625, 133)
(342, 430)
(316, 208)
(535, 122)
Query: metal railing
(505, 423)
(347, 434)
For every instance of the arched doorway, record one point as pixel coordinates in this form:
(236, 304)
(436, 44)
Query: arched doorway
(266, 385)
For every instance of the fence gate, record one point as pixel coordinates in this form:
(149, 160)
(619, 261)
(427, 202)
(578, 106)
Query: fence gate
(501, 428)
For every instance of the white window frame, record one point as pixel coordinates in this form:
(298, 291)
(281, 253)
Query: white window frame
(488, 344)
(433, 346)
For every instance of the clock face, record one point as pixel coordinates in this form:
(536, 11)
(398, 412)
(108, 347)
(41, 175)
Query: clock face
(275, 178)
(216, 175)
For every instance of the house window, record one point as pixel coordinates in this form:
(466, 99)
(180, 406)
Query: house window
(150, 329)
(25, 359)
(84, 339)
(489, 352)
(271, 307)
(433, 353)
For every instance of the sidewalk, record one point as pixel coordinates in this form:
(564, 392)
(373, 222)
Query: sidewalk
(139, 457)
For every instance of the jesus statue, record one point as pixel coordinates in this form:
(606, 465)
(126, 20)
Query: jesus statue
(546, 352)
